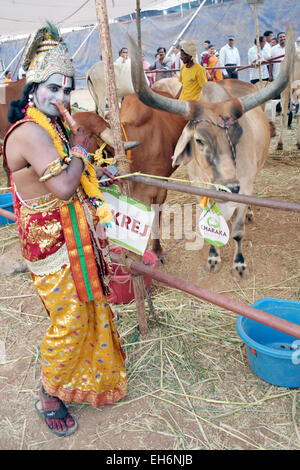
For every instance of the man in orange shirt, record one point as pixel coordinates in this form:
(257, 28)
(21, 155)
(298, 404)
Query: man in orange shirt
(192, 75)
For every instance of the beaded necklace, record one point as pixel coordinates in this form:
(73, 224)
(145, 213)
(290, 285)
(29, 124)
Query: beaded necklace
(88, 180)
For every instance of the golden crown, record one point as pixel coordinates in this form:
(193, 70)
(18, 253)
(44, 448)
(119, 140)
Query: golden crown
(47, 54)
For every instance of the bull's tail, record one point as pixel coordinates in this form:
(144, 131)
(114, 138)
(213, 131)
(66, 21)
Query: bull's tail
(91, 90)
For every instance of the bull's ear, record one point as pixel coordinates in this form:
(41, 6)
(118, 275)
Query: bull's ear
(183, 149)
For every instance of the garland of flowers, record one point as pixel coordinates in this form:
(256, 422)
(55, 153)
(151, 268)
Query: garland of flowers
(88, 180)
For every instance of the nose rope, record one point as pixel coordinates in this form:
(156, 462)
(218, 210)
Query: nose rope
(225, 126)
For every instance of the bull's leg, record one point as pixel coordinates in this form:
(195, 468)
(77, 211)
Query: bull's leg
(214, 260)
(249, 214)
(284, 116)
(158, 201)
(239, 266)
(156, 246)
(298, 130)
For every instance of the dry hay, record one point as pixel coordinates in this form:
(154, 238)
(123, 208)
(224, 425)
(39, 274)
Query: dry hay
(189, 381)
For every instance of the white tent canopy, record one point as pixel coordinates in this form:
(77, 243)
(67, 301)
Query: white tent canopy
(26, 16)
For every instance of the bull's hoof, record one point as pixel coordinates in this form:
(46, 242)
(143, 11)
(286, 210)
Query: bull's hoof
(213, 264)
(240, 271)
(249, 215)
(279, 146)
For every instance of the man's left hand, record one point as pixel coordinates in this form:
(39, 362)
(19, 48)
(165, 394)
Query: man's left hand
(104, 172)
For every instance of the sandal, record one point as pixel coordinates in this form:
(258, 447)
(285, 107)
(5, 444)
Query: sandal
(61, 413)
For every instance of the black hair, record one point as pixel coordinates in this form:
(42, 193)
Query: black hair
(267, 33)
(121, 50)
(6, 73)
(159, 48)
(17, 107)
(207, 41)
(281, 32)
(261, 38)
(211, 45)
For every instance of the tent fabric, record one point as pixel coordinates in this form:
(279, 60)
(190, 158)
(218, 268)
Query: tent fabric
(213, 22)
(25, 16)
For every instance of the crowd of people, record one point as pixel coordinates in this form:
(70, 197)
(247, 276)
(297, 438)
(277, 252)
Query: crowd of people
(213, 65)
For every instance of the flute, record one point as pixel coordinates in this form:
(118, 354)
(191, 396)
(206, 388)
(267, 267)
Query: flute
(72, 124)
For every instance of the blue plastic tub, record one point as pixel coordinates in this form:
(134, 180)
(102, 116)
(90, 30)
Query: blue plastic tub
(273, 356)
(6, 202)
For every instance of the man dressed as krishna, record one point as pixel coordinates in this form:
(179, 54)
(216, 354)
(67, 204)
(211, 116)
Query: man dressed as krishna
(58, 204)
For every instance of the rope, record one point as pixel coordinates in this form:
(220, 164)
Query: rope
(177, 180)
(128, 153)
(227, 124)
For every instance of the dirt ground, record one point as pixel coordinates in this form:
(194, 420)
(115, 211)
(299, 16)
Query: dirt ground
(190, 385)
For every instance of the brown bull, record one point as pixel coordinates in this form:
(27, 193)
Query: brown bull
(157, 131)
(226, 140)
(8, 92)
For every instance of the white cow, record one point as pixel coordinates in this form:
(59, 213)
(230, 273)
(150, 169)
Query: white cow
(96, 84)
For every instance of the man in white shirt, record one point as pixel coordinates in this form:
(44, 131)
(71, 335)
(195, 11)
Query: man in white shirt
(252, 59)
(123, 56)
(229, 56)
(268, 35)
(276, 51)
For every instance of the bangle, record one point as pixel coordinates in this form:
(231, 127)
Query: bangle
(79, 148)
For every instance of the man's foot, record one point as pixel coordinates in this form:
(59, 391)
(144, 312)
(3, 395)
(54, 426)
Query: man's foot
(55, 414)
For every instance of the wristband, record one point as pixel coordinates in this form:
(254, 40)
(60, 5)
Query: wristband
(77, 147)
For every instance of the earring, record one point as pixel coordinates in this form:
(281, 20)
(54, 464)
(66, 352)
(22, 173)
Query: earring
(30, 99)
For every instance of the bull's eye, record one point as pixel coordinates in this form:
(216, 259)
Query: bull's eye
(200, 142)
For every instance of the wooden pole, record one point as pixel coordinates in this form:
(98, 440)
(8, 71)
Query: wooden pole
(115, 125)
(257, 41)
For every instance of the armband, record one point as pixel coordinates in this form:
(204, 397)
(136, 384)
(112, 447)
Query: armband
(55, 168)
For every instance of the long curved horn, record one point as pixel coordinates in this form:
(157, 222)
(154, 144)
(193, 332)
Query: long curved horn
(145, 94)
(107, 137)
(275, 88)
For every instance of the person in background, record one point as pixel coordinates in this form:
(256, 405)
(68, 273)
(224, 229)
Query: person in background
(8, 77)
(268, 36)
(203, 54)
(211, 60)
(274, 42)
(162, 63)
(276, 51)
(252, 59)
(229, 56)
(123, 56)
(176, 60)
(146, 66)
(192, 75)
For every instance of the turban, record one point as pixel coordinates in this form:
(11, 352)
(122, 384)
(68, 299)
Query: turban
(189, 47)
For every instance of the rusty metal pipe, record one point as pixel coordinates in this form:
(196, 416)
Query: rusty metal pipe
(7, 214)
(214, 194)
(255, 314)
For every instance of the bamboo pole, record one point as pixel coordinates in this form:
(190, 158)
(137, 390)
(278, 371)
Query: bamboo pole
(227, 303)
(257, 42)
(115, 124)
